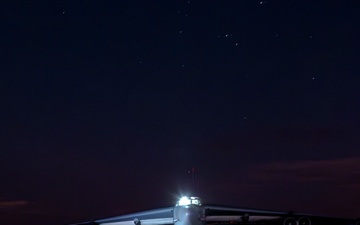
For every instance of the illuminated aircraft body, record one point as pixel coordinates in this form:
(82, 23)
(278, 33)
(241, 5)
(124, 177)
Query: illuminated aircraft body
(191, 211)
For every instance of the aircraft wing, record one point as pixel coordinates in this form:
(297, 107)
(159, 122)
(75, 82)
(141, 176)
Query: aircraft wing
(229, 215)
(162, 216)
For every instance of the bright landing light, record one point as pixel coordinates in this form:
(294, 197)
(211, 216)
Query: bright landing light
(184, 201)
(189, 201)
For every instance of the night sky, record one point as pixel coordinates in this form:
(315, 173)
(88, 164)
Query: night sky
(106, 106)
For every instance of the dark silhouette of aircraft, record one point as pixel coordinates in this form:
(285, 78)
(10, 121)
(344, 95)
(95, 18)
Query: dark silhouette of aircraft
(191, 211)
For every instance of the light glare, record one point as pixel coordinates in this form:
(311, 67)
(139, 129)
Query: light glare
(184, 201)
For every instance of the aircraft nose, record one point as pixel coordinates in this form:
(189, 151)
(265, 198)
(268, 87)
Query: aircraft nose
(187, 215)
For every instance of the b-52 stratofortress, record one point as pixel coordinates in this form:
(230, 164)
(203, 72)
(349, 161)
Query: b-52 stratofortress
(191, 211)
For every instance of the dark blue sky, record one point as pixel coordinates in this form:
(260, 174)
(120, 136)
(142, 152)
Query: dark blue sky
(106, 105)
